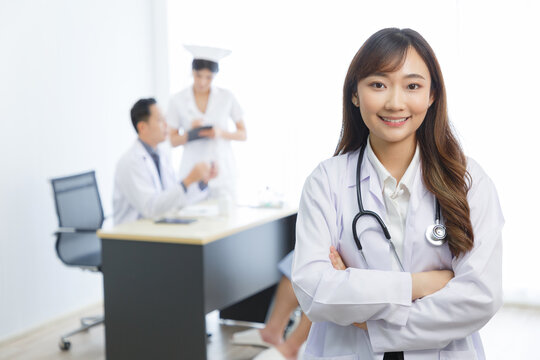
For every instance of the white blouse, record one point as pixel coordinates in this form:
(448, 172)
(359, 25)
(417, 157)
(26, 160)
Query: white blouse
(396, 197)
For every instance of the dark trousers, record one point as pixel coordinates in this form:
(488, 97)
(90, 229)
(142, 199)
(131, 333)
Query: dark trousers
(398, 355)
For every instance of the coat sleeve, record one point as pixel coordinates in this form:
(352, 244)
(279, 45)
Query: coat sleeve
(137, 187)
(341, 297)
(469, 300)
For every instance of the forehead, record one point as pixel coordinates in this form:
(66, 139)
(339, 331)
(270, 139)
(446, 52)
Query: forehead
(411, 64)
(154, 109)
(203, 72)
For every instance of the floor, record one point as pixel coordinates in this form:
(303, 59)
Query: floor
(511, 334)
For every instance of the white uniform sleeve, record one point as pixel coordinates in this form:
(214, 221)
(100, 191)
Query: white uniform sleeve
(341, 297)
(237, 113)
(174, 116)
(137, 187)
(469, 300)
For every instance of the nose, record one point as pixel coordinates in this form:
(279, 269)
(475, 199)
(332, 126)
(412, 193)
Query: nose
(395, 101)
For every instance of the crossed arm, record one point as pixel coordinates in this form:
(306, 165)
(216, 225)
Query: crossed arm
(423, 283)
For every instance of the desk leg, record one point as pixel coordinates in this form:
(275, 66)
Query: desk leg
(162, 285)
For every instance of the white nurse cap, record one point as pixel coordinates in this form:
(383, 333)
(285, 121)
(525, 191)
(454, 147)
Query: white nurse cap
(207, 53)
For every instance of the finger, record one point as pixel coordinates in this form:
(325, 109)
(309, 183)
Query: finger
(333, 261)
(337, 262)
(340, 263)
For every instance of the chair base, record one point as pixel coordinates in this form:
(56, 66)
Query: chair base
(86, 323)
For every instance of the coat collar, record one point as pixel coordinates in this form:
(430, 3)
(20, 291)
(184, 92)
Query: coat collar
(213, 93)
(368, 173)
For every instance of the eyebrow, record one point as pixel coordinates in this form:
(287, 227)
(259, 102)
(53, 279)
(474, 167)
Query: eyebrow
(408, 76)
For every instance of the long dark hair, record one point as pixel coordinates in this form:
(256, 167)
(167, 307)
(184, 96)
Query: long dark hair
(444, 166)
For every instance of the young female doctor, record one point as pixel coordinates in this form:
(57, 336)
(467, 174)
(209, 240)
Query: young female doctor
(417, 223)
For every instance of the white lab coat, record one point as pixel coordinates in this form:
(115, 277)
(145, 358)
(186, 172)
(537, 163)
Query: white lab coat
(443, 325)
(221, 109)
(138, 191)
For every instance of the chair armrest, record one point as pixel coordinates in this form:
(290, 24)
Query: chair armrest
(63, 230)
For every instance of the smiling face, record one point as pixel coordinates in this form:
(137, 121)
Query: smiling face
(394, 104)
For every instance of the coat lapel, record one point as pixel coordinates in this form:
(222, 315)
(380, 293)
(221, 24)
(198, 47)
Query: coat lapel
(374, 243)
(414, 232)
(149, 163)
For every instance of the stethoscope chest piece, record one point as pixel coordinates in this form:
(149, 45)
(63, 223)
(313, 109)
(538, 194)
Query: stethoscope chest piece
(436, 234)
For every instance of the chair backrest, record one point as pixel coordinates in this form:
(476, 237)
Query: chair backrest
(78, 206)
(77, 200)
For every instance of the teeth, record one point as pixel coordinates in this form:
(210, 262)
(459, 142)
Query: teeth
(394, 121)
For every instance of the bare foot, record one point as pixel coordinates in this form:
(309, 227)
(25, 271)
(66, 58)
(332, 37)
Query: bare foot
(271, 336)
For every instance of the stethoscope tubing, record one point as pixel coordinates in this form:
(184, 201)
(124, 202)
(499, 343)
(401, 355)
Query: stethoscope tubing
(435, 237)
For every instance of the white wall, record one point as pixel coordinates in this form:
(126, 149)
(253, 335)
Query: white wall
(289, 62)
(70, 71)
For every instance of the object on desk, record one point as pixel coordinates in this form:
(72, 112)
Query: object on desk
(270, 199)
(175, 221)
(194, 134)
(225, 203)
(202, 209)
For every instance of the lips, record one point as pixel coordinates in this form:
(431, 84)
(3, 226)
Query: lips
(394, 121)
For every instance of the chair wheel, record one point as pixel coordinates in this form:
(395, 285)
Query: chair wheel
(64, 345)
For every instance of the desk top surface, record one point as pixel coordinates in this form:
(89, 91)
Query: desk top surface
(205, 230)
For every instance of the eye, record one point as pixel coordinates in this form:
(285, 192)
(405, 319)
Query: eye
(413, 86)
(377, 85)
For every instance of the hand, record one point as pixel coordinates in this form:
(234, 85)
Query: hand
(335, 258)
(429, 282)
(362, 326)
(196, 123)
(338, 264)
(201, 171)
(212, 133)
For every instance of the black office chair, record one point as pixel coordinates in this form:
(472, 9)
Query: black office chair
(80, 215)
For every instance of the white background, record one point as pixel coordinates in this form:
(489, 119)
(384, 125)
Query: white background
(70, 71)
(289, 62)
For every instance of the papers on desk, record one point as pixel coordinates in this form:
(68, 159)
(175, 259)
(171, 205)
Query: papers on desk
(198, 210)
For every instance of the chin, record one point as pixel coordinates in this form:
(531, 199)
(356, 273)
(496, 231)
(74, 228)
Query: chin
(393, 136)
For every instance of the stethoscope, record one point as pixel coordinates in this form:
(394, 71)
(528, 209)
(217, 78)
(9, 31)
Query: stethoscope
(435, 234)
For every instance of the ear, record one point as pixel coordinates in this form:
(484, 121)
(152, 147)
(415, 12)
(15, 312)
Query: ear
(141, 125)
(355, 100)
(431, 99)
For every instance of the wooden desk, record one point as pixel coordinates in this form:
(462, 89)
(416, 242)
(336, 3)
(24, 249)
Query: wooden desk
(161, 279)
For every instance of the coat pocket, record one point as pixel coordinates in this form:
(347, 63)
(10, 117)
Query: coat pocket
(458, 355)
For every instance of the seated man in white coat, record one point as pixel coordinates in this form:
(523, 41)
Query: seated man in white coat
(145, 185)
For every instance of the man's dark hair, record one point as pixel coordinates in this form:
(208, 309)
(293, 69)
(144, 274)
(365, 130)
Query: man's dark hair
(141, 111)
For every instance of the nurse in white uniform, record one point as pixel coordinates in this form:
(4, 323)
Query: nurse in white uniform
(402, 296)
(212, 109)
